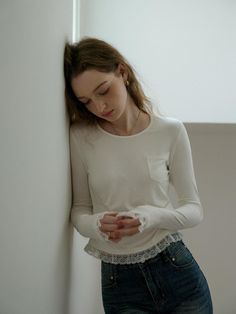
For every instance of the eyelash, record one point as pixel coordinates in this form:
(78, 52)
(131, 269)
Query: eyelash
(86, 103)
(106, 91)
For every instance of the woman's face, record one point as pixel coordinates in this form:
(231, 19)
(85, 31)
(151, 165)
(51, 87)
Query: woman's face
(103, 94)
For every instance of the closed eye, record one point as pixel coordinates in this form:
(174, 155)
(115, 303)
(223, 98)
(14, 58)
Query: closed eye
(104, 93)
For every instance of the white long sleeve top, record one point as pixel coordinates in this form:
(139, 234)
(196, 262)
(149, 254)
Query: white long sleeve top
(133, 174)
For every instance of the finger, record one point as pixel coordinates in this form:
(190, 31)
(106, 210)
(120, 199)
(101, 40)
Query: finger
(128, 223)
(129, 231)
(108, 227)
(108, 219)
(114, 236)
(126, 232)
(124, 217)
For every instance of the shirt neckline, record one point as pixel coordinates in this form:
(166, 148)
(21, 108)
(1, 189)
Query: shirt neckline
(127, 136)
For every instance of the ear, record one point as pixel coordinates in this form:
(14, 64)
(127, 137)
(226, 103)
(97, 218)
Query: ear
(121, 70)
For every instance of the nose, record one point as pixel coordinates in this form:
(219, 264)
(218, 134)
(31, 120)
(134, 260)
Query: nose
(99, 106)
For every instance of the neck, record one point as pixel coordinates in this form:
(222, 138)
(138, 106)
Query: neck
(127, 123)
(130, 122)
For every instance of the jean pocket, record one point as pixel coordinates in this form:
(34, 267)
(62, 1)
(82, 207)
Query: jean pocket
(108, 276)
(179, 255)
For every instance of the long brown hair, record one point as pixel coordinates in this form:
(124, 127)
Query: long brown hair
(92, 53)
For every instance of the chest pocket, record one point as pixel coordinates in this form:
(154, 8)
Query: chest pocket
(158, 169)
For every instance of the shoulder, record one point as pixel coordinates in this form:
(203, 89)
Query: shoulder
(81, 130)
(84, 134)
(77, 128)
(168, 125)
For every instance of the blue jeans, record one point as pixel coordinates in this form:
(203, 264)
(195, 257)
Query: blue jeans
(171, 283)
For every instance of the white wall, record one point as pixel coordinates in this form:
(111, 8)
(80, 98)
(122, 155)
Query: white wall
(183, 50)
(35, 194)
(85, 296)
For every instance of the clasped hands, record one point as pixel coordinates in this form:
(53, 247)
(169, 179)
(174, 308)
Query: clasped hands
(118, 227)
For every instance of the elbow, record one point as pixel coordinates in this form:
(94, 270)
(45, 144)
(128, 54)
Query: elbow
(81, 222)
(200, 216)
(193, 215)
(74, 219)
(197, 216)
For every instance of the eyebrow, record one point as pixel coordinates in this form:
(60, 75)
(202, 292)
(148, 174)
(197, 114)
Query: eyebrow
(94, 89)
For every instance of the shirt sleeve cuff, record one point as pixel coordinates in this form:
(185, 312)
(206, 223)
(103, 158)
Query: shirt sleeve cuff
(98, 225)
(140, 216)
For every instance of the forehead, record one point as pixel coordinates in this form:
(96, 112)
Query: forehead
(84, 83)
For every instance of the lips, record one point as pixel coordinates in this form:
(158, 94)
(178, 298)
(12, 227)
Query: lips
(106, 114)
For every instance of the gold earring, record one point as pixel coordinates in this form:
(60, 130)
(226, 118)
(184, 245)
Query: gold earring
(127, 83)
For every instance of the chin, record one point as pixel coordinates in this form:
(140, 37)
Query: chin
(111, 117)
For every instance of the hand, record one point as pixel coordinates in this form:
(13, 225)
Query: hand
(118, 227)
(109, 225)
(128, 226)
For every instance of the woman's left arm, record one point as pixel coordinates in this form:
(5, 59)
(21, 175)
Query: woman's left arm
(189, 212)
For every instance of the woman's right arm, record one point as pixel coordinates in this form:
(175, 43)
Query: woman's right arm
(82, 216)
(95, 226)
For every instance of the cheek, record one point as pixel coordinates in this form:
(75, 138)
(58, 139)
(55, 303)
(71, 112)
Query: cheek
(118, 95)
(91, 109)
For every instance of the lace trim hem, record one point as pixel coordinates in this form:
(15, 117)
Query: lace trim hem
(139, 257)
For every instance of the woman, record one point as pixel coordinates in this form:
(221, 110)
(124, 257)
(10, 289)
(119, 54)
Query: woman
(124, 158)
